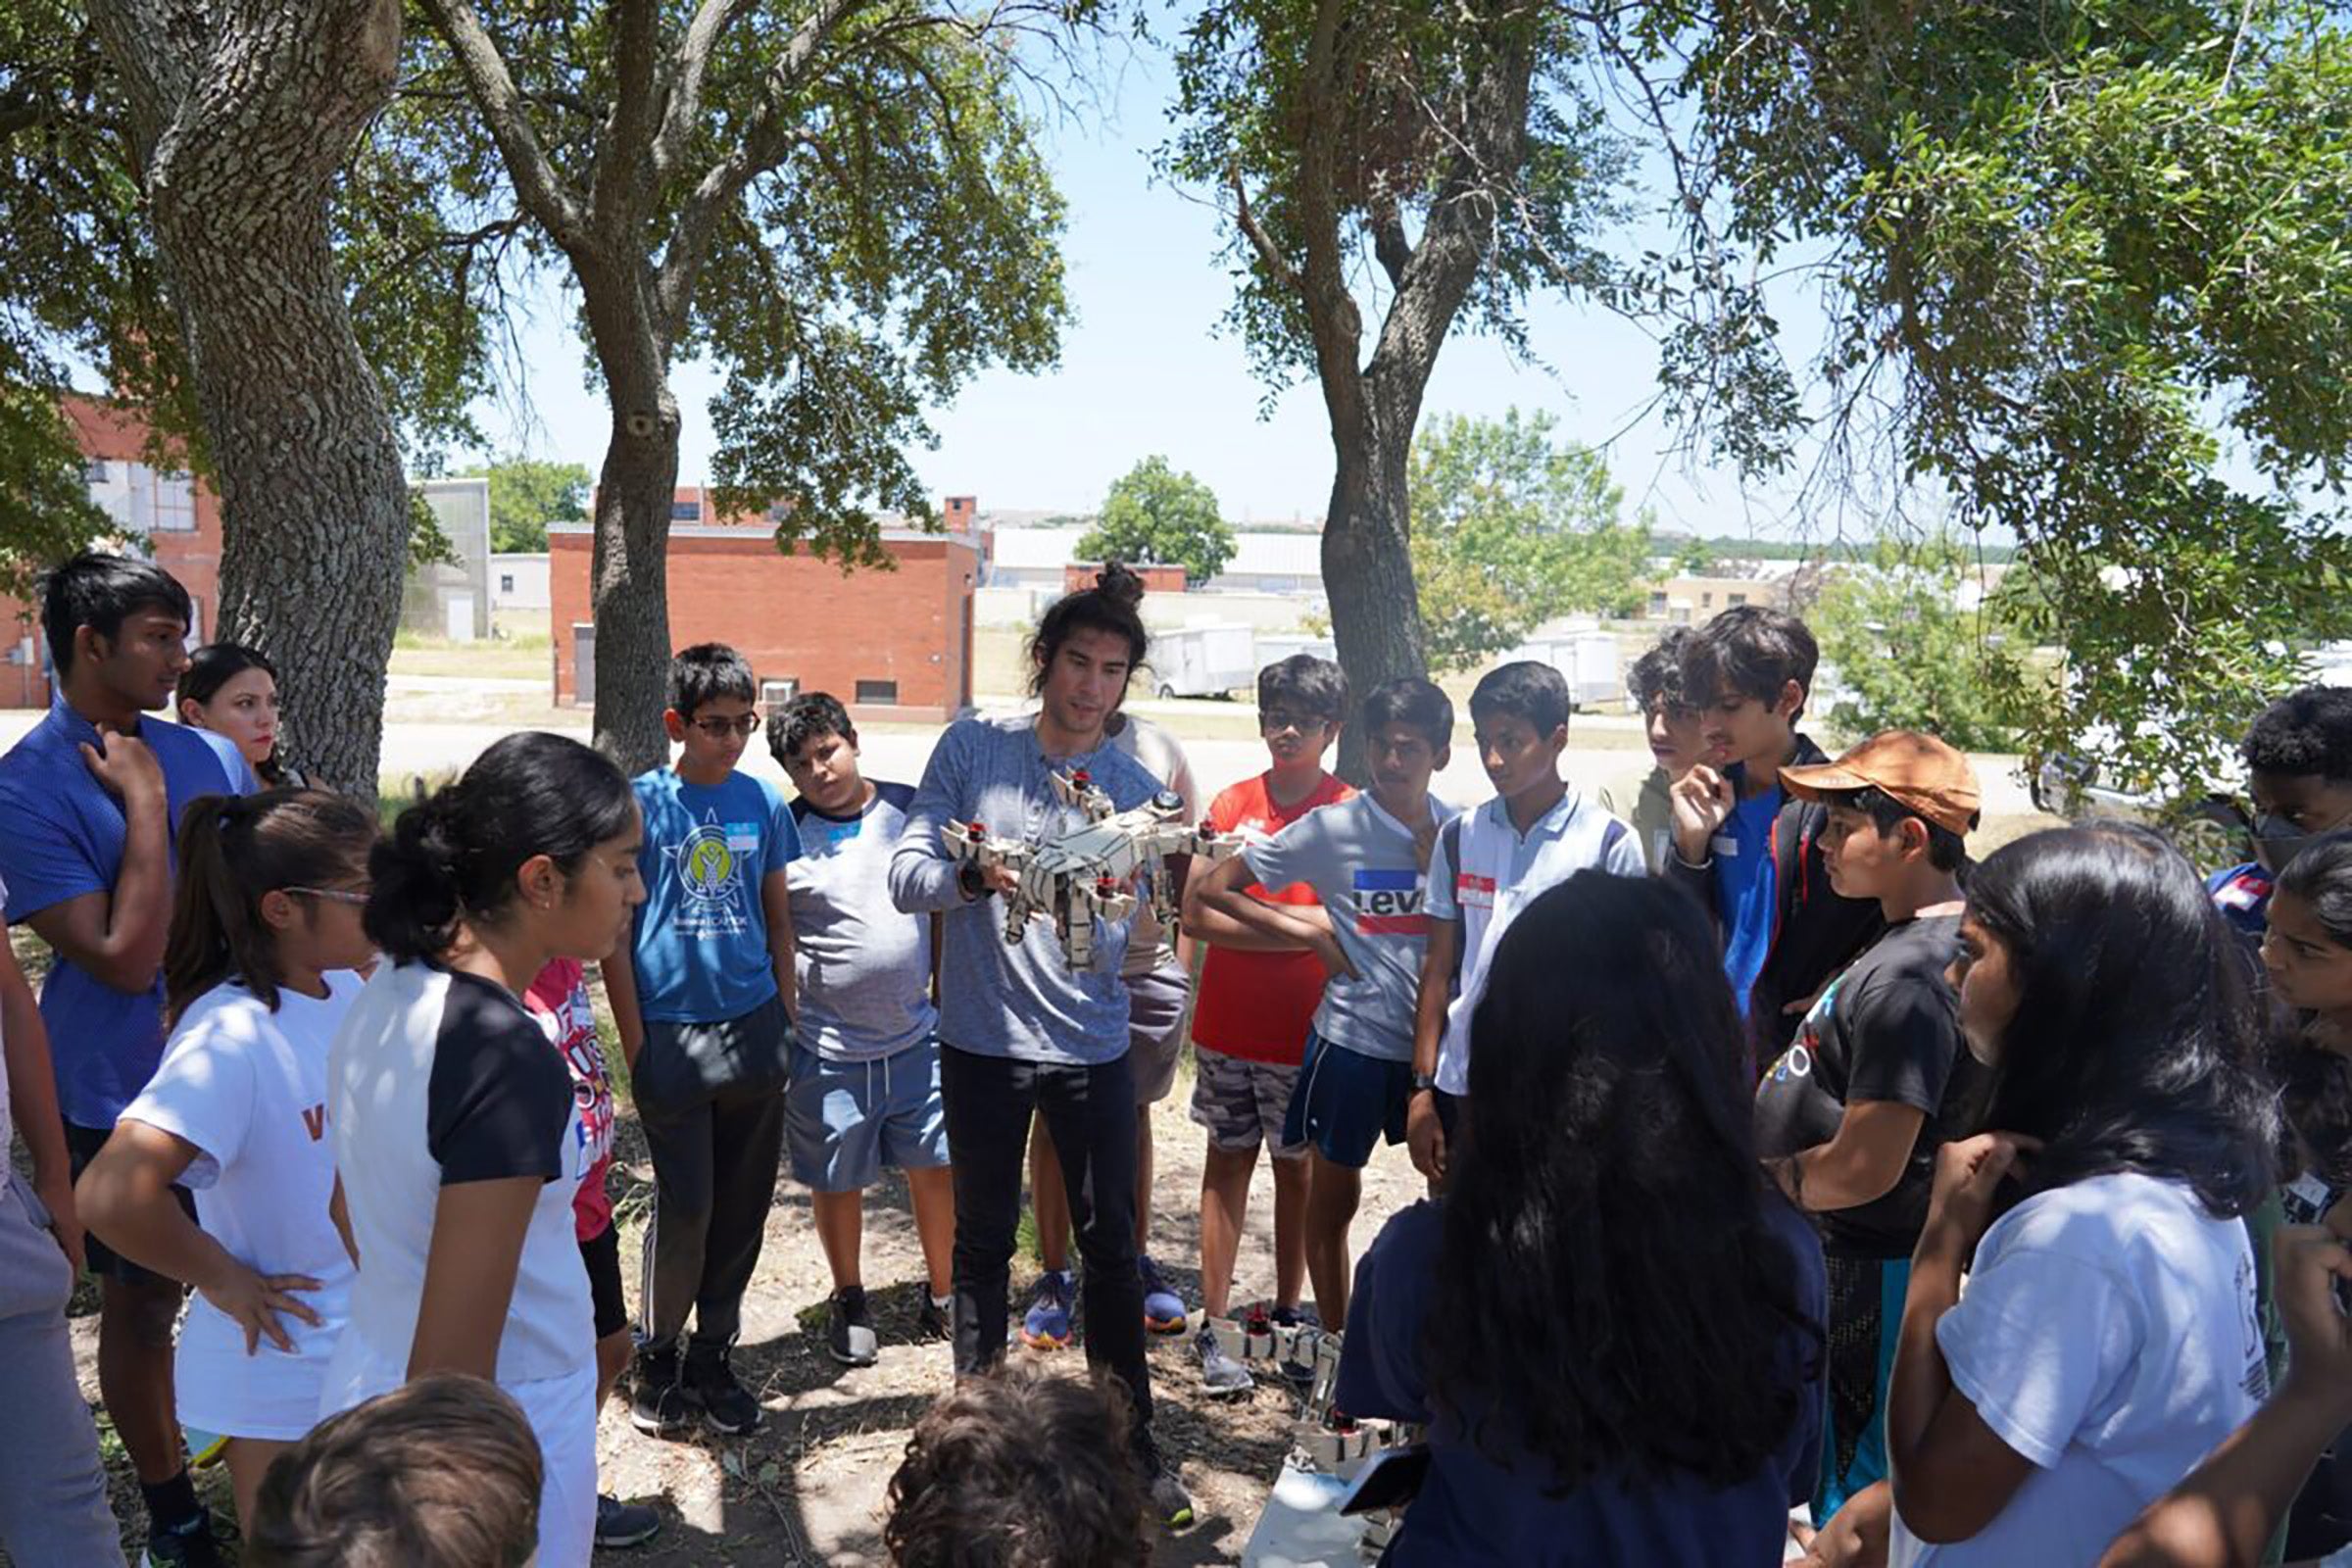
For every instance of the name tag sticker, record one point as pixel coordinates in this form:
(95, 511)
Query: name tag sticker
(743, 842)
(2311, 1190)
(1723, 844)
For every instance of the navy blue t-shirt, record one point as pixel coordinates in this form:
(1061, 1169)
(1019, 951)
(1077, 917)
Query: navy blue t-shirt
(1472, 1510)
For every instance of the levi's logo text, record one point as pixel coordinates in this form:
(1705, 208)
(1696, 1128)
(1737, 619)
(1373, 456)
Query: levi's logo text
(1387, 903)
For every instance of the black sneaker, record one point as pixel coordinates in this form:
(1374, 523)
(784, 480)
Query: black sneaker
(623, 1524)
(191, 1545)
(936, 1320)
(727, 1407)
(849, 1337)
(660, 1406)
(1171, 1504)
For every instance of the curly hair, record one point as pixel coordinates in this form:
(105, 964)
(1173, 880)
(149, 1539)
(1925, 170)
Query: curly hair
(1608, 1087)
(1112, 605)
(2304, 732)
(2135, 1044)
(1657, 675)
(1019, 1469)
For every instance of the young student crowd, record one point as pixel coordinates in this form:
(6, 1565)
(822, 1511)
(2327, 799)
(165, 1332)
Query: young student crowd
(1780, 1156)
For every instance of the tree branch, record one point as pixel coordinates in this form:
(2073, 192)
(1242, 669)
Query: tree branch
(617, 184)
(684, 104)
(764, 142)
(1389, 243)
(1260, 241)
(542, 190)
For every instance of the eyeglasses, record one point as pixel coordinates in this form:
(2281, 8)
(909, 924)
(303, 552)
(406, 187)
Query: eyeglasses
(1274, 720)
(718, 729)
(331, 895)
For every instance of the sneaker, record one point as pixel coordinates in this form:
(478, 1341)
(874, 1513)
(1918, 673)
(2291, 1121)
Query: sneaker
(191, 1545)
(623, 1524)
(1300, 1375)
(729, 1407)
(849, 1337)
(1164, 1309)
(1047, 1324)
(1171, 1504)
(1221, 1373)
(660, 1406)
(936, 1320)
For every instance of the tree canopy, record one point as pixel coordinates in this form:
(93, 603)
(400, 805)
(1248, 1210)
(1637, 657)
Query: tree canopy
(1157, 515)
(1511, 529)
(527, 493)
(1917, 642)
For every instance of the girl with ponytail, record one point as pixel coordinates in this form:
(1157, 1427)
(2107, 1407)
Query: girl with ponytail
(455, 1125)
(259, 973)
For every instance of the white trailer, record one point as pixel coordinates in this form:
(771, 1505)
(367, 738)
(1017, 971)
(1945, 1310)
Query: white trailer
(1210, 661)
(1275, 646)
(1587, 660)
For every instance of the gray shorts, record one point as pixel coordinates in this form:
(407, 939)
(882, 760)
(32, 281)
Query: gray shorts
(1155, 1030)
(1242, 1102)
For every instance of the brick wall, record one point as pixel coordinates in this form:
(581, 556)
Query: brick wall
(1079, 575)
(796, 617)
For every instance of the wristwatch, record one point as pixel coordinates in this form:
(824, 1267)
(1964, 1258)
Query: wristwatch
(967, 878)
(1424, 1080)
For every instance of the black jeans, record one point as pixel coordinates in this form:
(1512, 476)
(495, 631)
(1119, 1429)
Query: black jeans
(1091, 1113)
(715, 1178)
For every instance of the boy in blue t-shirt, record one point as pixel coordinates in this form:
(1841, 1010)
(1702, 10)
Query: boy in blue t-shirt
(1367, 858)
(88, 801)
(701, 994)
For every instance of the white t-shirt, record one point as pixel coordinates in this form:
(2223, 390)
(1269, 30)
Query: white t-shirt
(438, 1079)
(248, 1088)
(2108, 1333)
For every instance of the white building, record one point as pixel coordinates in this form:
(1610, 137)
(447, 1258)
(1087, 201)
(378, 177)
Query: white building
(452, 600)
(1263, 563)
(519, 581)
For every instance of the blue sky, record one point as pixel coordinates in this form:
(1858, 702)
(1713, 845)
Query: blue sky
(1145, 369)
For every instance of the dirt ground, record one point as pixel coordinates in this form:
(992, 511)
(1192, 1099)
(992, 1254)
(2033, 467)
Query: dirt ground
(808, 1487)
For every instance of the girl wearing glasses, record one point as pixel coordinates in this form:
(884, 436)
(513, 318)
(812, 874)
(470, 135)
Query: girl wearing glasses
(258, 975)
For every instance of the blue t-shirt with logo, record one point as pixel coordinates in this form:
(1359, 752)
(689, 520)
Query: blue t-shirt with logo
(61, 836)
(701, 948)
(1745, 887)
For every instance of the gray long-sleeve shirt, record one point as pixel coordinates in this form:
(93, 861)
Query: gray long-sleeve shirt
(996, 1001)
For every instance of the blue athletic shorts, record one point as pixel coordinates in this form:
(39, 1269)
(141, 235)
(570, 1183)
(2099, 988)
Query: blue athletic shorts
(1345, 1102)
(844, 1120)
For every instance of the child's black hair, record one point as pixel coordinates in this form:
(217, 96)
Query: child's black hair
(2304, 732)
(705, 673)
(232, 851)
(1656, 678)
(1302, 681)
(101, 591)
(1416, 704)
(805, 718)
(1526, 690)
(1753, 652)
(1111, 606)
(453, 855)
(215, 665)
(1946, 849)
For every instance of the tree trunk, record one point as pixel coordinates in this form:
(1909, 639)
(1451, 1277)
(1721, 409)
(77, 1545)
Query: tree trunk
(628, 583)
(241, 132)
(1368, 574)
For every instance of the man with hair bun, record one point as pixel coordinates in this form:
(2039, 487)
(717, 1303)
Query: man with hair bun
(1020, 1031)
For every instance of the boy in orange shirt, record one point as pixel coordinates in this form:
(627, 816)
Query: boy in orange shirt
(1255, 1010)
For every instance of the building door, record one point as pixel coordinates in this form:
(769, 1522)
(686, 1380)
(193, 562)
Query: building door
(583, 663)
(458, 612)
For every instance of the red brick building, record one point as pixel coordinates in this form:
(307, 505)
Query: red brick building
(890, 645)
(1080, 575)
(178, 515)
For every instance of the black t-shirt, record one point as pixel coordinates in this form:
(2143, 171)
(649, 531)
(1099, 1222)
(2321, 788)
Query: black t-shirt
(1886, 1029)
(498, 1102)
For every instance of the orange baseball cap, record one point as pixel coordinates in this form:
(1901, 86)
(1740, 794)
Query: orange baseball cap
(1927, 775)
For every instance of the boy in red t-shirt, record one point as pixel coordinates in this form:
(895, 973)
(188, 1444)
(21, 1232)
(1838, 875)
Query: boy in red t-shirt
(1254, 1008)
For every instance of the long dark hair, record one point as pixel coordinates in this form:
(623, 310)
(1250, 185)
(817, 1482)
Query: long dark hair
(2135, 1046)
(232, 851)
(1608, 1099)
(1112, 604)
(215, 665)
(2314, 1083)
(453, 855)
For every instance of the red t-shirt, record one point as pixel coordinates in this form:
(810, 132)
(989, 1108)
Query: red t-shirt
(1260, 1006)
(560, 999)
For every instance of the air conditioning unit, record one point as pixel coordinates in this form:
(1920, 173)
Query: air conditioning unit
(775, 694)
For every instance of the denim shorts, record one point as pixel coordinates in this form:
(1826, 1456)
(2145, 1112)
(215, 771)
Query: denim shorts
(844, 1120)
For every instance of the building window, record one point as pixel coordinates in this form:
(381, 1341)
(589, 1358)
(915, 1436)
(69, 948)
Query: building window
(1735, 599)
(885, 692)
(1657, 603)
(1706, 601)
(174, 506)
(774, 694)
(506, 582)
(685, 512)
(95, 473)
